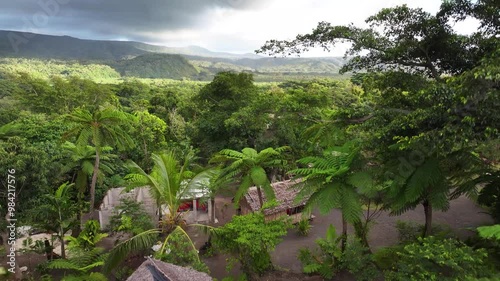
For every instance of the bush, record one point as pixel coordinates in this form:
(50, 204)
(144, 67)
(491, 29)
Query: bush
(327, 259)
(303, 227)
(435, 259)
(250, 239)
(410, 231)
(130, 217)
(180, 250)
(385, 258)
(357, 260)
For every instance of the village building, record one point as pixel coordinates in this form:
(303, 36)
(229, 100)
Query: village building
(155, 270)
(285, 196)
(195, 205)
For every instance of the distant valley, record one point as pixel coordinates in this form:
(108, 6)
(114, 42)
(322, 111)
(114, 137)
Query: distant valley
(135, 59)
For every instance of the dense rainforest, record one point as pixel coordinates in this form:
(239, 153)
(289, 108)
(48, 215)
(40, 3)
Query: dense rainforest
(413, 127)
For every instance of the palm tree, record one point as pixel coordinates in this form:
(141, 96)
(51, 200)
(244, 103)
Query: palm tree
(57, 214)
(168, 183)
(80, 162)
(248, 167)
(326, 181)
(103, 127)
(84, 255)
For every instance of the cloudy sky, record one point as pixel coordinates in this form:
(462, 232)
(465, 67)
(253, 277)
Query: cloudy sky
(238, 26)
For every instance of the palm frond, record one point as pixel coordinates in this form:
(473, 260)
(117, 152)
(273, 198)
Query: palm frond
(142, 241)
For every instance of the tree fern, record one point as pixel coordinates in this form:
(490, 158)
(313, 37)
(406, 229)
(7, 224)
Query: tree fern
(248, 169)
(100, 128)
(325, 181)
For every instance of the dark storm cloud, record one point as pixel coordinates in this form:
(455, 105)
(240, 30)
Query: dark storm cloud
(131, 19)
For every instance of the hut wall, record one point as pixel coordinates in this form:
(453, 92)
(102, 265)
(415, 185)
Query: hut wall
(245, 207)
(276, 216)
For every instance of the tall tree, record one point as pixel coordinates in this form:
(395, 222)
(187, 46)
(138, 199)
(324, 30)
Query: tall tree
(327, 181)
(103, 127)
(248, 167)
(57, 213)
(402, 38)
(169, 181)
(223, 117)
(79, 163)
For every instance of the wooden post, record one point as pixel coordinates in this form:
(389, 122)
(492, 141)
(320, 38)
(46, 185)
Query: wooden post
(195, 210)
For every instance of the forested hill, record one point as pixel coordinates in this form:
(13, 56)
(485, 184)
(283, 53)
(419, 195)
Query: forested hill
(156, 66)
(30, 45)
(134, 59)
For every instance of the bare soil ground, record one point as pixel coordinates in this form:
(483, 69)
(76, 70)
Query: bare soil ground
(462, 215)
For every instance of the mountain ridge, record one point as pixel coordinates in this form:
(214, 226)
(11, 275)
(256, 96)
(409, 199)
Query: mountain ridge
(142, 60)
(31, 44)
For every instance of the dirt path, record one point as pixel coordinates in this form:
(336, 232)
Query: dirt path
(463, 214)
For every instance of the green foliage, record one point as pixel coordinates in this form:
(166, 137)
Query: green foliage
(169, 181)
(87, 239)
(100, 128)
(398, 38)
(227, 116)
(156, 66)
(409, 232)
(248, 168)
(84, 256)
(81, 264)
(303, 227)
(57, 214)
(326, 177)
(386, 258)
(489, 232)
(45, 68)
(130, 217)
(141, 242)
(250, 239)
(328, 259)
(324, 260)
(435, 259)
(179, 250)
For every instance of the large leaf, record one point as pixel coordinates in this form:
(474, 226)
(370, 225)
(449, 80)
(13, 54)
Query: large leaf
(142, 241)
(490, 232)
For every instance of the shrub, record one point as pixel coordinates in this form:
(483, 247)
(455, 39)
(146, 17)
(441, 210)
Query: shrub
(130, 217)
(179, 250)
(431, 258)
(328, 259)
(304, 227)
(385, 258)
(250, 239)
(410, 231)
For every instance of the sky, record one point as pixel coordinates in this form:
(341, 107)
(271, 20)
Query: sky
(236, 26)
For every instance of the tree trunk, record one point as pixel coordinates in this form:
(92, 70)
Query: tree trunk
(63, 250)
(259, 192)
(93, 183)
(428, 218)
(61, 236)
(77, 229)
(344, 234)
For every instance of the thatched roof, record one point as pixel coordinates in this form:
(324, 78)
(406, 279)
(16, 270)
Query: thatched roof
(285, 195)
(153, 269)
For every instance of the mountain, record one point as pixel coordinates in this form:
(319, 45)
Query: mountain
(31, 45)
(136, 59)
(155, 65)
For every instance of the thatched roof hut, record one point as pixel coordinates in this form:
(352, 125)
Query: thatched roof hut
(155, 270)
(285, 195)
